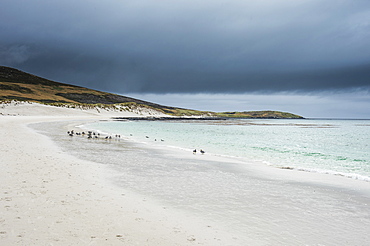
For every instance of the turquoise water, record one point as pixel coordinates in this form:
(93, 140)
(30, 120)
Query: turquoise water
(340, 147)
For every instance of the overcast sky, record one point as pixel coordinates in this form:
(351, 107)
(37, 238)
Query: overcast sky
(310, 57)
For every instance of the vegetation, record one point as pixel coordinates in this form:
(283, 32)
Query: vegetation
(21, 86)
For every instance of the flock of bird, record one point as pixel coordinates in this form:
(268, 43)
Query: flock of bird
(90, 134)
(94, 135)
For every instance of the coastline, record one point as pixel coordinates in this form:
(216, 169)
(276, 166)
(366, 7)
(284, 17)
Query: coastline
(52, 197)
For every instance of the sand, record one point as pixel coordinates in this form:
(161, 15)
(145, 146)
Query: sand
(49, 197)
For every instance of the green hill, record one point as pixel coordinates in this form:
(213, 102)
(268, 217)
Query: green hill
(22, 86)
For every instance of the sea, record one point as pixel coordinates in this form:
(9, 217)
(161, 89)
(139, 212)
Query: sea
(265, 181)
(335, 147)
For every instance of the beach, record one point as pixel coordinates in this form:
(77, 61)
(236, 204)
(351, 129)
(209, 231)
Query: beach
(52, 197)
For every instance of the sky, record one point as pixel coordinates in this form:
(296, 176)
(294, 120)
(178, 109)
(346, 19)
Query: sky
(309, 57)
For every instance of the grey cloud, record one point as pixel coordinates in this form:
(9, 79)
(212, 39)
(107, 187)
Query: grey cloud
(14, 54)
(191, 46)
(267, 81)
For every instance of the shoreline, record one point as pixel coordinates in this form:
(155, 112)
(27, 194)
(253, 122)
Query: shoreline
(310, 190)
(321, 176)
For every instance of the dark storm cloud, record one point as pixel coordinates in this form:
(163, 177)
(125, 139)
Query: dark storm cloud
(311, 80)
(190, 46)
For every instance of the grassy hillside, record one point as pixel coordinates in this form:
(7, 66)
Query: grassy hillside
(18, 85)
(21, 86)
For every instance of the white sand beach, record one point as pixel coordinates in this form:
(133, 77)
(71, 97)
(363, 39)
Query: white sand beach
(51, 198)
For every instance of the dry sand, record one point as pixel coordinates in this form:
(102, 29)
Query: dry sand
(48, 197)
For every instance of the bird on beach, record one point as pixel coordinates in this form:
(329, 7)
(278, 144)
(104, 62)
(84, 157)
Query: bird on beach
(202, 151)
(194, 152)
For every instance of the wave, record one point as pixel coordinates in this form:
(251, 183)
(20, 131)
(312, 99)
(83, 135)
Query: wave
(330, 172)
